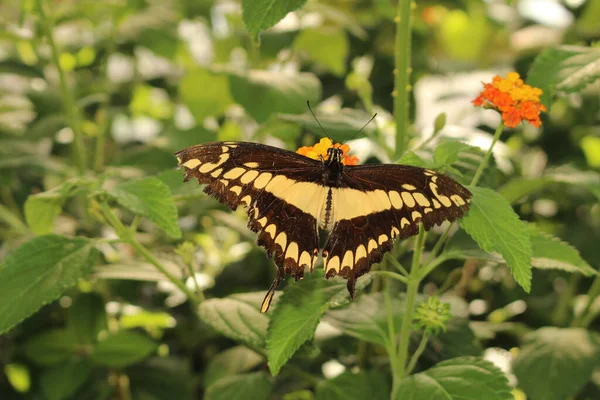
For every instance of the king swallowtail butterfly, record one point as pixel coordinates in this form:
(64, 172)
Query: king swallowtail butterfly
(289, 197)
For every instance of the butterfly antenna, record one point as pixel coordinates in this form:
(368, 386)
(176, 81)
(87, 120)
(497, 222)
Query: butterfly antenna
(315, 117)
(361, 129)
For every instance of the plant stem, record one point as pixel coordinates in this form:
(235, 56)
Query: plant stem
(415, 357)
(391, 275)
(396, 264)
(14, 221)
(391, 345)
(402, 53)
(585, 318)
(128, 237)
(411, 295)
(67, 95)
(486, 158)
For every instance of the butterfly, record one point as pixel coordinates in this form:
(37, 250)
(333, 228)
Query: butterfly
(289, 197)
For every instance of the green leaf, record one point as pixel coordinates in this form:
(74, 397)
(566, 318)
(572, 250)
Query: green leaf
(517, 188)
(349, 386)
(555, 363)
(38, 272)
(152, 199)
(42, 209)
(161, 378)
(458, 340)
(60, 382)
(278, 92)
(214, 97)
(326, 46)
(122, 349)
(550, 252)
(236, 319)
(256, 386)
(446, 153)
(463, 378)
(230, 362)
(296, 316)
(494, 225)
(566, 69)
(87, 317)
(366, 318)
(411, 158)
(51, 347)
(260, 15)
(340, 126)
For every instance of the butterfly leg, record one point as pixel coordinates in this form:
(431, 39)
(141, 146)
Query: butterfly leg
(269, 297)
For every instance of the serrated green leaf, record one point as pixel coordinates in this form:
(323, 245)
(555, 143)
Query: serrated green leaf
(327, 47)
(152, 199)
(340, 126)
(518, 188)
(229, 362)
(463, 378)
(214, 97)
(38, 272)
(555, 363)
(260, 15)
(458, 340)
(350, 386)
(236, 319)
(87, 317)
(296, 316)
(565, 68)
(411, 158)
(256, 386)
(366, 318)
(51, 347)
(493, 224)
(123, 348)
(551, 253)
(278, 92)
(60, 382)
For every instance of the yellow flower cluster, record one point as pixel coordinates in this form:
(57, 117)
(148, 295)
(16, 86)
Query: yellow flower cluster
(319, 151)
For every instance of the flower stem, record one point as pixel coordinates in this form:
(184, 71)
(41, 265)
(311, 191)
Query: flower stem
(67, 96)
(586, 317)
(402, 52)
(409, 308)
(392, 275)
(486, 158)
(127, 236)
(415, 357)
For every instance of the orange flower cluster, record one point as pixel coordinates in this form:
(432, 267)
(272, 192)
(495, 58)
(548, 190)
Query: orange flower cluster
(320, 150)
(516, 101)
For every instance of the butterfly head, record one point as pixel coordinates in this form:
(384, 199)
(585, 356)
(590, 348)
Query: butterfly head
(334, 155)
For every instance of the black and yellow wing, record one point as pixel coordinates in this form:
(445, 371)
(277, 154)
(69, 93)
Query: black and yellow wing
(376, 204)
(282, 190)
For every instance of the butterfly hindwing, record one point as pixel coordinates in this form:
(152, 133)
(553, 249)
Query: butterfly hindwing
(281, 190)
(379, 203)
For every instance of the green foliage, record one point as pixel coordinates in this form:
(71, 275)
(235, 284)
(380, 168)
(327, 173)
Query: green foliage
(151, 198)
(38, 272)
(123, 349)
(566, 69)
(263, 14)
(465, 378)
(364, 385)
(327, 48)
(61, 382)
(245, 386)
(555, 363)
(493, 224)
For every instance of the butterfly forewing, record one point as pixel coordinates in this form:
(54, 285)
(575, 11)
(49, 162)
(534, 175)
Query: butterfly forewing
(281, 190)
(376, 204)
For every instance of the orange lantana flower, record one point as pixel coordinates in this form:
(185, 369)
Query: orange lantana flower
(513, 99)
(320, 150)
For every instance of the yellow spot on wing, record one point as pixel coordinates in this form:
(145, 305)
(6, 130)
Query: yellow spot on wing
(372, 245)
(263, 221)
(245, 199)
(263, 180)
(210, 166)
(361, 252)
(394, 232)
(224, 182)
(249, 176)
(416, 215)
(305, 259)
(457, 200)
(281, 240)
(234, 173)
(408, 187)
(404, 222)
(193, 163)
(333, 263)
(292, 251)
(421, 199)
(216, 173)
(408, 199)
(348, 260)
(271, 230)
(382, 239)
(395, 199)
(251, 164)
(237, 190)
